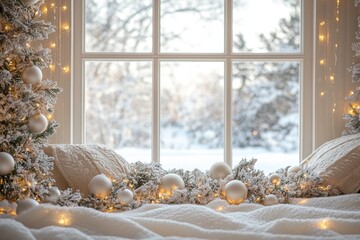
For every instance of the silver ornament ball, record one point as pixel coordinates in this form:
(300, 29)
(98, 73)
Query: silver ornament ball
(293, 170)
(271, 199)
(54, 195)
(32, 75)
(275, 179)
(29, 2)
(235, 192)
(171, 182)
(219, 170)
(100, 186)
(7, 163)
(125, 196)
(26, 204)
(38, 123)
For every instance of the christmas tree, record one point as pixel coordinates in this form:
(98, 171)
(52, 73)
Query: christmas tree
(26, 102)
(353, 116)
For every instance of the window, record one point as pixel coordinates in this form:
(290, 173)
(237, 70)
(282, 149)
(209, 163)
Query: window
(189, 83)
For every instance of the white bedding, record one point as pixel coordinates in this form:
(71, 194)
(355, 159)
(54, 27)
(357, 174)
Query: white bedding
(317, 218)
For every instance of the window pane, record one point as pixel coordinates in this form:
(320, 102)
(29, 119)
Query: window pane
(118, 25)
(192, 26)
(192, 110)
(118, 107)
(263, 26)
(266, 113)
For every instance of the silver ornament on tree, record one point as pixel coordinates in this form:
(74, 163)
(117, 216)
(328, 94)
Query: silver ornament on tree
(54, 195)
(125, 196)
(29, 2)
(219, 170)
(235, 192)
(38, 123)
(26, 204)
(7, 163)
(32, 75)
(271, 199)
(100, 186)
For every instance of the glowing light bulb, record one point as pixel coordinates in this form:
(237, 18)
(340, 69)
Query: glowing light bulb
(321, 37)
(64, 7)
(52, 5)
(254, 133)
(52, 67)
(44, 9)
(322, 61)
(324, 224)
(322, 93)
(66, 27)
(332, 77)
(53, 45)
(322, 23)
(219, 208)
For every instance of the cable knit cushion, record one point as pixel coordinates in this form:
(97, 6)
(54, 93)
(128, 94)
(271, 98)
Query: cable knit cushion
(338, 163)
(76, 165)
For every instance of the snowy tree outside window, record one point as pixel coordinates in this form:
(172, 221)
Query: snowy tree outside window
(193, 58)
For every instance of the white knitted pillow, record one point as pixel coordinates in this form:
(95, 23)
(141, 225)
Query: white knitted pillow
(338, 163)
(77, 164)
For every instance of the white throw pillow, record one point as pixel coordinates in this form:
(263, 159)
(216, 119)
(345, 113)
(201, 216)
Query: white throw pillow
(338, 163)
(77, 164)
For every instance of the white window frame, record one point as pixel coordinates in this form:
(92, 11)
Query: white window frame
(315, 122)
(305, 57)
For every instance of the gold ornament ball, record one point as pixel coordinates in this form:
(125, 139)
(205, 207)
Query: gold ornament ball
(100, 186)
(235, 192)
(275, 179)
(7, 163)
(125, 196)
(293, 170)
(38, 123)
(32, 75)
(171, 182)
(271, 199)
(219, 170)
(26, 204)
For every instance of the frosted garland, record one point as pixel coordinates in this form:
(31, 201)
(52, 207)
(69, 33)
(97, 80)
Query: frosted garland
(144, 180)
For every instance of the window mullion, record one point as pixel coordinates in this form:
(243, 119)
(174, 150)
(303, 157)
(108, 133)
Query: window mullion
(155, 146)
(228, 84)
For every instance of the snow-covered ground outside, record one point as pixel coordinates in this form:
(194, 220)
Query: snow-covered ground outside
(268, 161)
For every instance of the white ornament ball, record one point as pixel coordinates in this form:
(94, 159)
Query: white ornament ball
(171, 182)
(219, 170)
(54, 195)
(235, 192)
(275, 179)
(125, 196)
(271, 199)
(38, 123)
(7, 163)
(26, 204)
(293, 170)
(4, 205)
(29, 2)
(32, 75)
(100, 186)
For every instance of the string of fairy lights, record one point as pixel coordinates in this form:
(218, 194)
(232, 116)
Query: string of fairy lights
(55, 13)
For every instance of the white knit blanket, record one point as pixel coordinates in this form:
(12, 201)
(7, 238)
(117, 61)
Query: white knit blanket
(317, 218)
